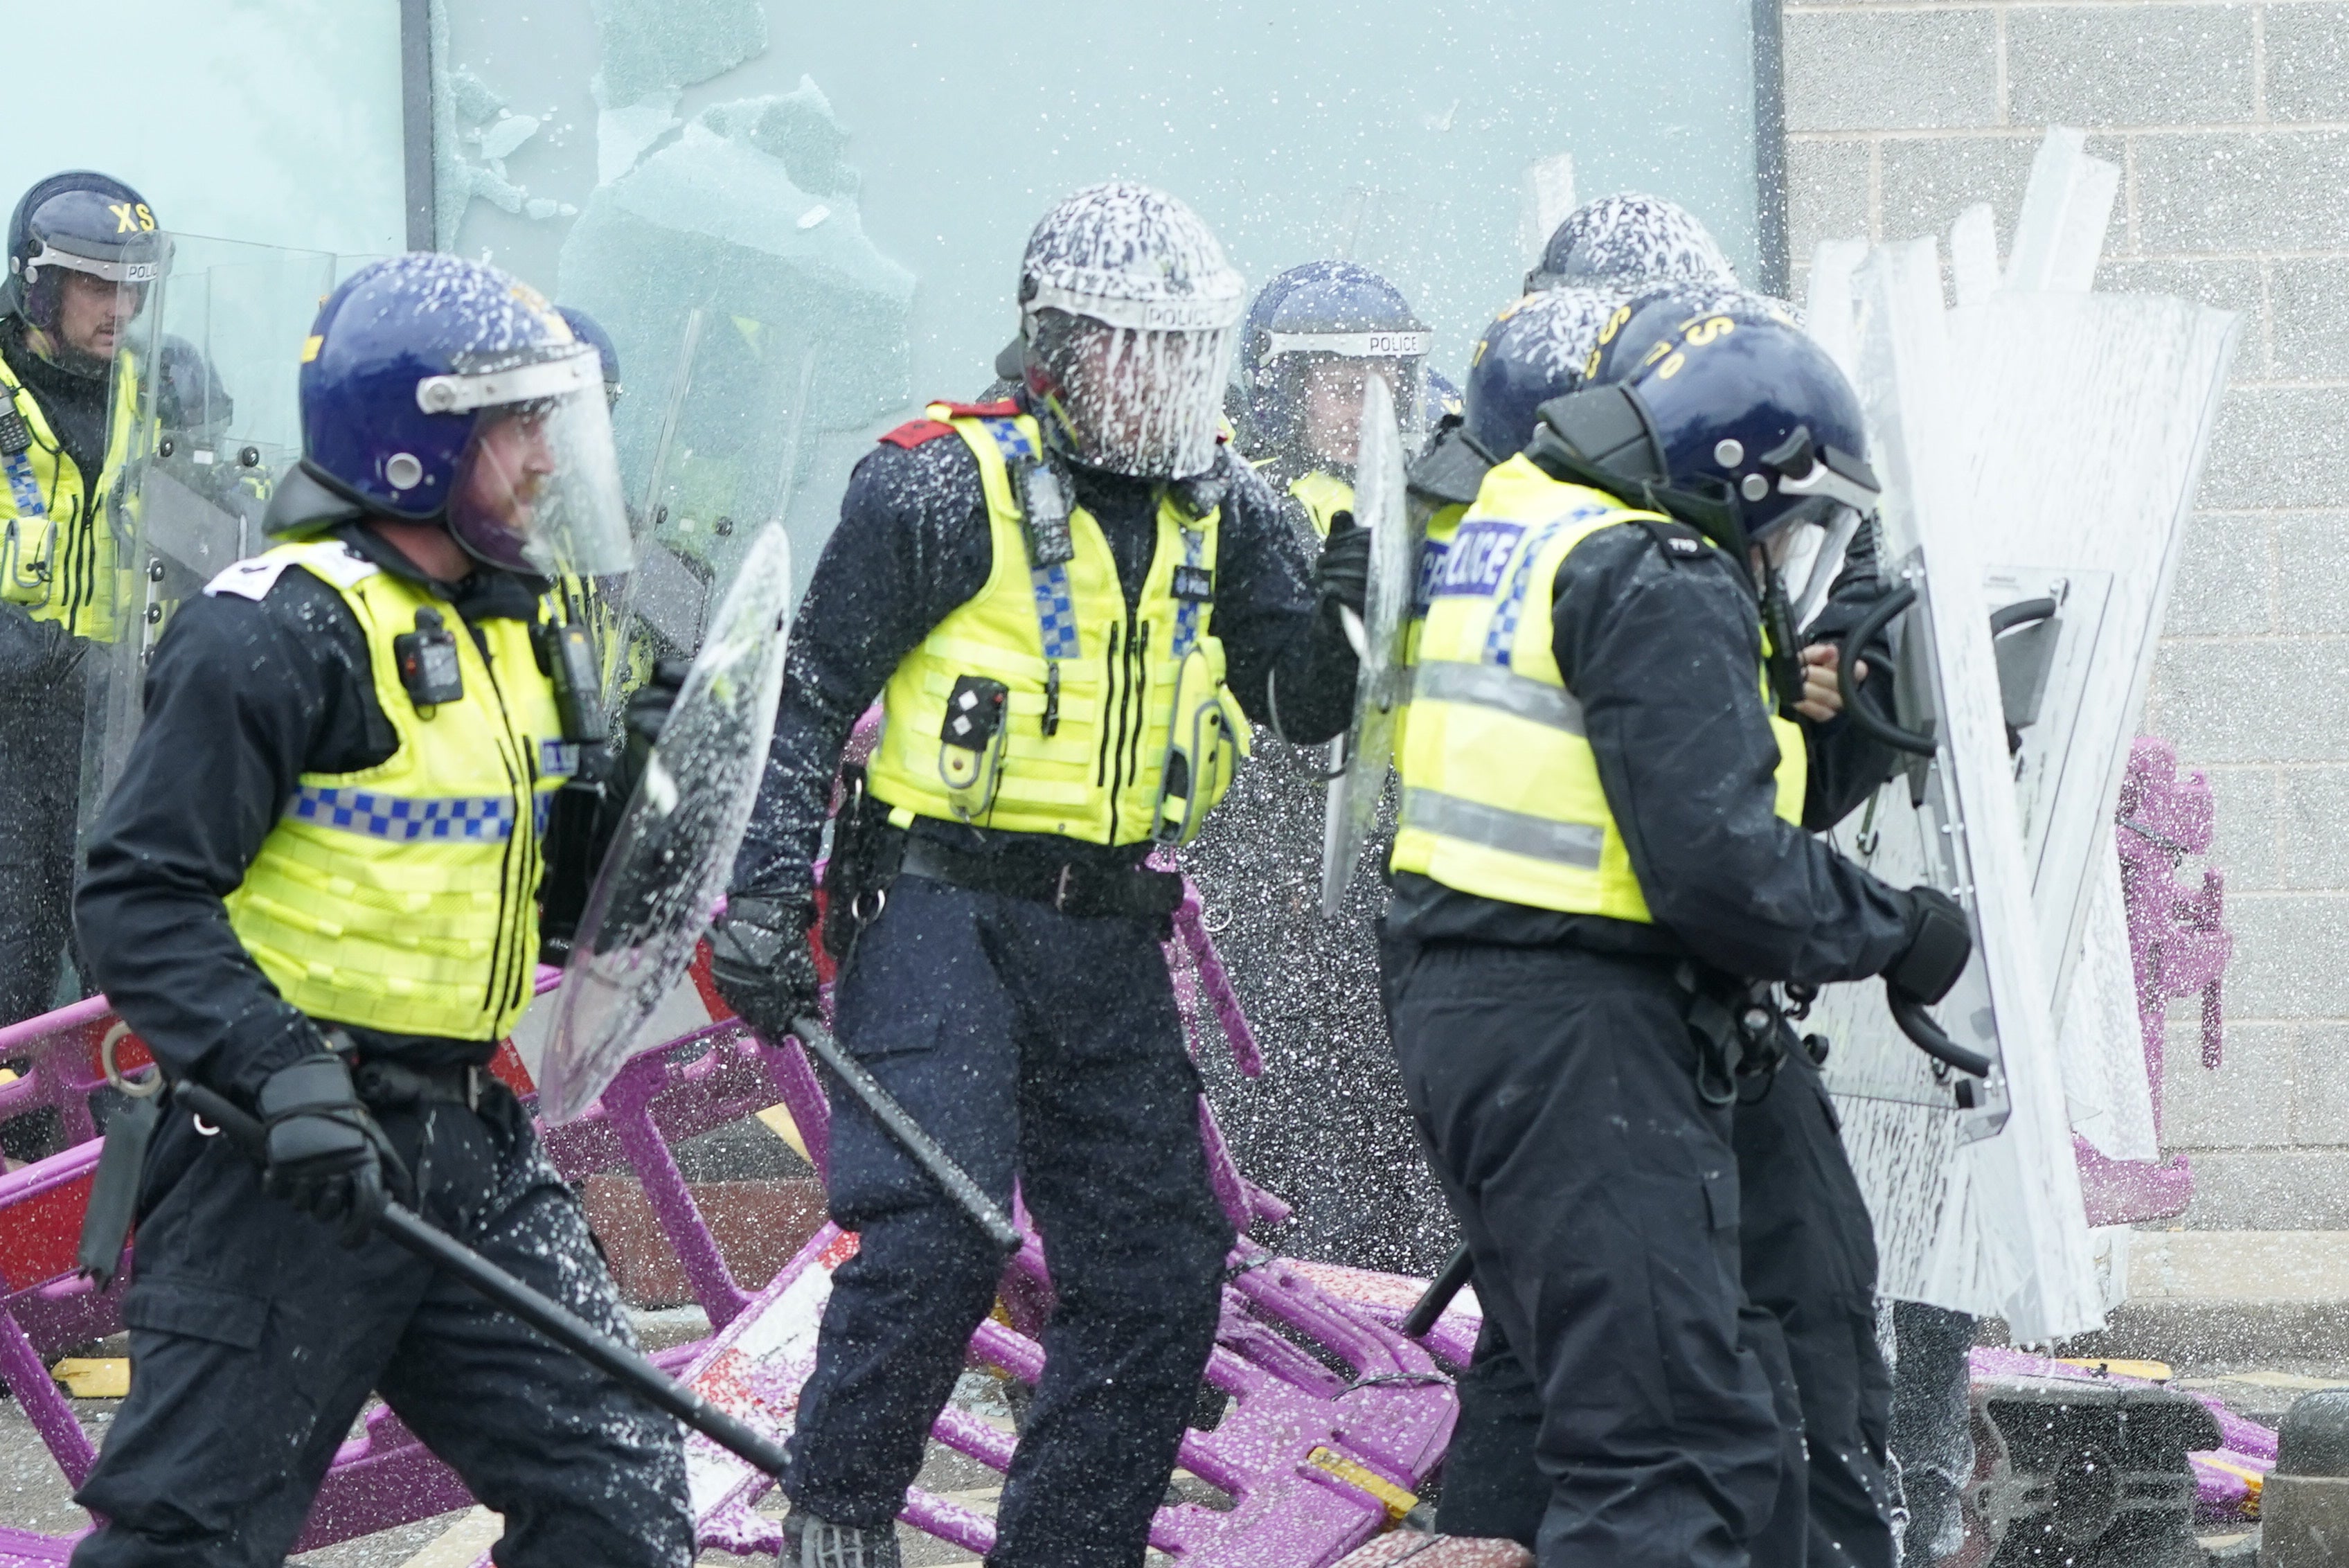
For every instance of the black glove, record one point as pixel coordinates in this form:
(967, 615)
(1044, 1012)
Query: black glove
(762, 965)
(1939, 944)
(1343, 575)
(326, 1153)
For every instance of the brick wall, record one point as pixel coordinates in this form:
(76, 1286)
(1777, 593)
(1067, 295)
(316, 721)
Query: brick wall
(2231, 123)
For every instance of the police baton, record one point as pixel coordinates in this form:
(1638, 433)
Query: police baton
(1449, 1282)
(407, 1229)
(901, 1125)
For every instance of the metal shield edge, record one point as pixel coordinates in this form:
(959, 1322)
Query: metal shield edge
(1379, 685)
(607, 995)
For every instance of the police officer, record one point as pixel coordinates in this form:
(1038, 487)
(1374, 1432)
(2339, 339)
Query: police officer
(315, 890)
(83, 250)
(1324, 1127)
(1071, 604)
(1600, 847)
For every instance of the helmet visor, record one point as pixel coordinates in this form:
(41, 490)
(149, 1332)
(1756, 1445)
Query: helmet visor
(1330, 392)
(538, 489)
(1807, 552)
(1128, 396)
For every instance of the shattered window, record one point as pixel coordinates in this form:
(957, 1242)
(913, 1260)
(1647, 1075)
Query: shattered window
(798, 226)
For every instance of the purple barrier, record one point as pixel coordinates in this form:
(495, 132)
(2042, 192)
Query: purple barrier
(2178, 947)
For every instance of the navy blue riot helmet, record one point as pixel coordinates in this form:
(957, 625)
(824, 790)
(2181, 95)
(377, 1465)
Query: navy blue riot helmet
(1311, 318)
(78, 221)
(1627, 240)
(589, 330)
(1731, 420)
(1536, 349)
(438, 390)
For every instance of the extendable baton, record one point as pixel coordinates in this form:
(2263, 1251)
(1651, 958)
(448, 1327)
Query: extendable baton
(909, 1135)
(404, 1227)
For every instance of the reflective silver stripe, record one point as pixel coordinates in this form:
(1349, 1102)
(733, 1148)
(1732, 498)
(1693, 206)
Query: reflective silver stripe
(1490, 686)
(1572, 843)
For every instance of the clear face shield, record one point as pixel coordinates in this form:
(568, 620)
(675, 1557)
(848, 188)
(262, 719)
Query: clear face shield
(1328, 379)
(538, 489)
(1806, 547)
(81, 307)
(1134, 387)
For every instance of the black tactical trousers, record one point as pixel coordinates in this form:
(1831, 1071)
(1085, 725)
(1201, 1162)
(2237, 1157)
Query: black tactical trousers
(1599, 1194)
(1809, 1252)
(42, 691)
(255, 1339)
(1044, 1046)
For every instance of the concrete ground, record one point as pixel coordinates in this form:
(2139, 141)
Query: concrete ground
(2281, 1330)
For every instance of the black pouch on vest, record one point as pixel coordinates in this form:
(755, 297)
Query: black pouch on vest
(426, 658)
(865, 852)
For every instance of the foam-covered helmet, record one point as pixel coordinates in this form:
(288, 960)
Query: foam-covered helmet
(1540, 348)
(434, 388)
(590, 331)
(80, 222)
(1304, 321)
(1627, 240)
(1733, 419)
(1127, 320)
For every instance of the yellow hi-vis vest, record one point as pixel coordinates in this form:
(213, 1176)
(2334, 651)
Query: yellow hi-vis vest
(1116, 726)
(404, 897)
(58, 555)
(1323, 496)
(1442, 525)
(1500, 795)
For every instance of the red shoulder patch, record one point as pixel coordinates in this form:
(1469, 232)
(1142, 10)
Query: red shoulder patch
(1002, 411)
(914, 433)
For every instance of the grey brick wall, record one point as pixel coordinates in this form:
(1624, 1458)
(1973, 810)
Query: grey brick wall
(2230, 122)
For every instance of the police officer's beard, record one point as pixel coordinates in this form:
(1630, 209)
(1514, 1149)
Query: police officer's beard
(53, 349)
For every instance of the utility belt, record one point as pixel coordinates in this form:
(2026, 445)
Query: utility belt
(1744, 1030)
(398, 1085)
(388, 1084)
(869, 853)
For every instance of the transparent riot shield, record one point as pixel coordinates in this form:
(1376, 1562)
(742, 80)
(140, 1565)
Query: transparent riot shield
(1357, 787)
(665, 870)
(712, 452)
(211, 367)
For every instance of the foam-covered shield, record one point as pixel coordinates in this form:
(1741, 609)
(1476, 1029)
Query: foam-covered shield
(666, 869)
(1380, 685)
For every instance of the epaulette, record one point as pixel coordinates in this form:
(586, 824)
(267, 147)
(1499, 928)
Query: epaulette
(914, 433)
(1004, 409)
(1678, 540)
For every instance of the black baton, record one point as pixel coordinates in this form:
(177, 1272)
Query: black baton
(909, 1135)
(551, 1318)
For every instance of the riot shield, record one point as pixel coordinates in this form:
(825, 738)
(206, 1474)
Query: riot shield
(2034, 513)
(667, 868)
(715, 449)
(212, 367)
(661, 607)
(1379, 694)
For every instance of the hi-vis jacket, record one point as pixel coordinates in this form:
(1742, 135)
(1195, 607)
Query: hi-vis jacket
(1501, 791)
(404, 897)
(1045, 704)
(58, 547)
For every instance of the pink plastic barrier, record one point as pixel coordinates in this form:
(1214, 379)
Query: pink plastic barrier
(2179, 945)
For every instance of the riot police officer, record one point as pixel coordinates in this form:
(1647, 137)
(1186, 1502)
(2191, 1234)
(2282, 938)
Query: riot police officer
(1324, 1127)
(1071, 604)
(83, 252)
(1601, 840)
(316, 891)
